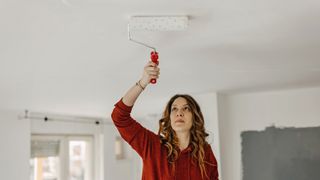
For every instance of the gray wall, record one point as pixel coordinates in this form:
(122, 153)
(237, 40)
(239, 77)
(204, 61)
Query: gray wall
(281, 154)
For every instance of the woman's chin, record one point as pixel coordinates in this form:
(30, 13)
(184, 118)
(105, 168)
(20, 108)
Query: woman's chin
(180, 129)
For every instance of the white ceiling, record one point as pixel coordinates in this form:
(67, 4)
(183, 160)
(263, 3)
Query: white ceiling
(73, 56)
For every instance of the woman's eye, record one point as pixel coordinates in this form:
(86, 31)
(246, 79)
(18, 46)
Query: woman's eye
(186, 108)
(173, 109)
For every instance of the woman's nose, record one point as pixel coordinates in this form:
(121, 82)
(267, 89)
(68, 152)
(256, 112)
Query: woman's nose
(179, 113)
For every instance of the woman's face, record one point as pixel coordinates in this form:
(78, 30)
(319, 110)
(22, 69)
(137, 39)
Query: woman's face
(181, 115)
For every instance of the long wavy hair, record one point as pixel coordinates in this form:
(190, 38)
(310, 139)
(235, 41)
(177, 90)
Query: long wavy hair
(197, 134)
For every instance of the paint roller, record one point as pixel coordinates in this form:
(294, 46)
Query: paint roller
(155, 23)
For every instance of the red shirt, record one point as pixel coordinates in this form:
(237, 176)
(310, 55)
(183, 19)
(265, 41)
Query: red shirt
(154, 154)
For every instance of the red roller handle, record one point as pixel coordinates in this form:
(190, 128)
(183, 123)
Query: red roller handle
(154, 58)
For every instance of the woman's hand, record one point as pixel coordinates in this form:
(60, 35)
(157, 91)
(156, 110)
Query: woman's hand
(150, 71)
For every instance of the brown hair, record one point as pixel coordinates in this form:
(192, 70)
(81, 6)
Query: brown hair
(197, 133)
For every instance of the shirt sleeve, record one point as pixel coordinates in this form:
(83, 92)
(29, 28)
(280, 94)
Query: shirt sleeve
(139, 138)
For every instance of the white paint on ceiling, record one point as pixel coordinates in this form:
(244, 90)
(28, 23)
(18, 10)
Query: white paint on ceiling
(73, 56)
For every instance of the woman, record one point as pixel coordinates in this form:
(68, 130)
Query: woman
(179, 151)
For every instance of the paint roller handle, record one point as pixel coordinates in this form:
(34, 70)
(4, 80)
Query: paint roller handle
(154, 58)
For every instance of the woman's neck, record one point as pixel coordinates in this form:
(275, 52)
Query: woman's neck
(184, 139)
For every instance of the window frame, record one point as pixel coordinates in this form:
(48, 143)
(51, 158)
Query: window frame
(63, 167)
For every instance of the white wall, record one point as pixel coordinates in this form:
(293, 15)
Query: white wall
(256, 111)
(15, 146)
(119, 169)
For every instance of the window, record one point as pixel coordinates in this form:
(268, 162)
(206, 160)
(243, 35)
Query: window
(61, 158)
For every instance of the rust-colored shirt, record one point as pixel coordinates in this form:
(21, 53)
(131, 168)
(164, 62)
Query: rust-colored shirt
(154, 153)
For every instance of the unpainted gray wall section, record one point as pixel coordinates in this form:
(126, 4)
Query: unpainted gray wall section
(281, 154)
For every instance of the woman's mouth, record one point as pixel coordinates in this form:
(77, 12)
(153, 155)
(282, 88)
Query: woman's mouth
(179, 121)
